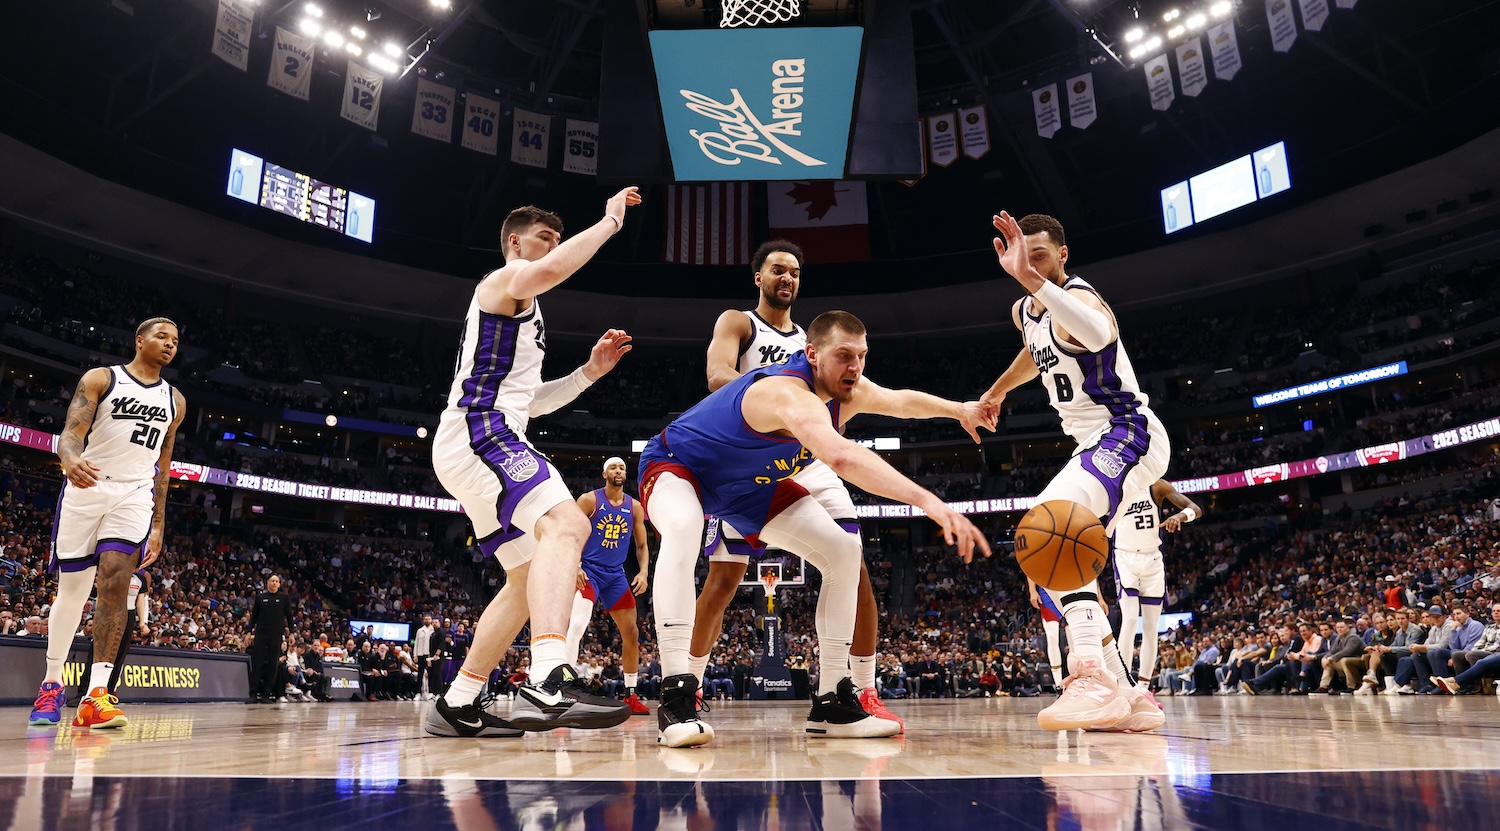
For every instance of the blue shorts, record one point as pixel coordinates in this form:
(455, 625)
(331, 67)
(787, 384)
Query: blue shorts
(1049, 607)
(610, 586)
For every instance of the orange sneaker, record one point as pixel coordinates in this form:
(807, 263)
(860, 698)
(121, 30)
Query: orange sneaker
(869, 699)
(97, 709)
(636, 707)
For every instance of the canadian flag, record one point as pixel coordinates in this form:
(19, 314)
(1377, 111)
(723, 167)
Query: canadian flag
(830, 220)
(708, 224)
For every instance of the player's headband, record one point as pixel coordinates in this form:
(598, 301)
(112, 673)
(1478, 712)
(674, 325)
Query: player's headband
(612, 460)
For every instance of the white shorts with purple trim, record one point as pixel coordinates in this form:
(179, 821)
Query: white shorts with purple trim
(1140, 575)
(110, 516)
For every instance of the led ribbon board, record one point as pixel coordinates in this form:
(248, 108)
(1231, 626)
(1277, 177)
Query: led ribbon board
(1353, 379)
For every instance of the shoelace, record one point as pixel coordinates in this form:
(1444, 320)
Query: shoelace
(485, 699)
(51, 697)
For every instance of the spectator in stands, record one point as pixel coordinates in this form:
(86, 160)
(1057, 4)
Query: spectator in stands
(1466, 633)
(1205, 667)
(717, 682)
(370, 679)
(1483, 661)
(1408, 633)
(1415, 668)
(1346, 653)
(314, 678)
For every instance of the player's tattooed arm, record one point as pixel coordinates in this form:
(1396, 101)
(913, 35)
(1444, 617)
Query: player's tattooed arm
(163, 481)
(92, 388)
(1187, 509)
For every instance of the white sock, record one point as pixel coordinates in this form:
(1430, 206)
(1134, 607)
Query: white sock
(548, 654)
(696, 665)
(862, 671)
(1115, 664)
(630, 679)
(1151, 612)
(64, 616)
(1086, 623)
(578, 621)
(99, 675)
(464, 689)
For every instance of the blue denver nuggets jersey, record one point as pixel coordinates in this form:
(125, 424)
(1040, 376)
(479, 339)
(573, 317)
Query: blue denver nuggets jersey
(738, 470)
(611, 537)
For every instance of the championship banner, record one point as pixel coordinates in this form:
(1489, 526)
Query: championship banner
(976, 131)
(1314, 14)
(1225, 49)
(481, 115)
(582, 153)
(232, 32)
(528, 138)
(942, 138)
(1159, 82)
(1044, 103)
(362, 96)
(1282, 25)
(1191, 72)
(1082, 108)
(291, 64)
(433, 114)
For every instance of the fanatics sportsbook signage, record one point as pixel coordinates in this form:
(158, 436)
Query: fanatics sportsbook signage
(757, 104)
(150, 674)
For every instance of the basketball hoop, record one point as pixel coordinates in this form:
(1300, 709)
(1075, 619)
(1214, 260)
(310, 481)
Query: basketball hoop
(758, 12)
(769, 579)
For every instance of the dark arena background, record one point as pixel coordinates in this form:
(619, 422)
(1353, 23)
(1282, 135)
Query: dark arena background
(1288, 205)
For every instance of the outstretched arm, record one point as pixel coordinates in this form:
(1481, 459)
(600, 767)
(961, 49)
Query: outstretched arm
(1188, 510)
(870, 397)
(92, 388)
(1021, 370)
(499, 296)
(1081, 314)
(603, 358)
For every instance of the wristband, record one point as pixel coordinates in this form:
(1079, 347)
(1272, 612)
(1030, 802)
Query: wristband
(618, 223)
(1190, 514)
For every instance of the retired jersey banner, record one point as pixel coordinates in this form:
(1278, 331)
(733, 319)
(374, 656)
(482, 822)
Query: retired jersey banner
(362, 96)
(1044, 104)
(291, 64)
(1225, 49)
(1191, 71)
(1314, 14)
(1159, 82)
(1282, 25)
(975, 128)
(1082, 107)
(481, 124)
(433, 114)
(528, 138)
(232, 32)
(582, 149)
(942, 138)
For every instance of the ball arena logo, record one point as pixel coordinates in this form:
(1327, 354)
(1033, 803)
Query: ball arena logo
(971, 118)
(741, 134)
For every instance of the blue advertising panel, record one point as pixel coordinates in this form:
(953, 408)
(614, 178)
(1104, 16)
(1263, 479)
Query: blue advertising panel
(1353, 379)
(757, 104)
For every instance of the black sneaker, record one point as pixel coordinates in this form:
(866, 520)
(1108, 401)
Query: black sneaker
(838, 715)
(470, 720)
(560, 701)
(677, 715)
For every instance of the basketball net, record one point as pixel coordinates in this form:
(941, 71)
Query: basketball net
(758, 12)
(769, 580)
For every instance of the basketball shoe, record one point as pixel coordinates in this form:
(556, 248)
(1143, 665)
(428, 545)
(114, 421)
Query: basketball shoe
(1145, 714)
(869, 699)
(561, 701)
(1090, 697)
(636, 707)
(98, 709)
(677, 719)
(47, 711)
(470, 720)
(838, 715)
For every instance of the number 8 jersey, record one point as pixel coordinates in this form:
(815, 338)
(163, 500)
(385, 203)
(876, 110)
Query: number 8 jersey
(129, 426)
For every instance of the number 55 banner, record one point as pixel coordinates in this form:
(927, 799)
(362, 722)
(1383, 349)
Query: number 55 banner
(582, 155)
(480, 117)
(528, 143)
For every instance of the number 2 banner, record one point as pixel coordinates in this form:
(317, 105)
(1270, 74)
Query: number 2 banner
(582, 154)
(481, 115)
(362, 96)
(528, 142)
(433, 114)
(291, 64)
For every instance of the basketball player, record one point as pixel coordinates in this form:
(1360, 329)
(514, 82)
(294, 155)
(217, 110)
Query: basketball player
(1071, 338)
(617, 527)
(735, 455)
(1139, 577)
(116, 454)
(138, 617)
(508, 488)
(1051, 627)
(749, 340)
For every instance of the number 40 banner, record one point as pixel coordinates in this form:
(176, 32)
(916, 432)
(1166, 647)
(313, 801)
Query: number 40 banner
(528, 143)
(582, 155)
(481, 115)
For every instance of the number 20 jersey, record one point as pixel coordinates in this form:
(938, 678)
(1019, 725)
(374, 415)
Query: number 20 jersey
(129, 427)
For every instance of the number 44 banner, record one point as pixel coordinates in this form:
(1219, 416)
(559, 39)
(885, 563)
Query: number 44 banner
(528, 144)
(582, 155)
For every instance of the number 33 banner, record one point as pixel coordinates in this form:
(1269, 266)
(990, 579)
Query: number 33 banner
(528, 143)
(433, 115)
(480, 117)
(582, 155)
(362, 96)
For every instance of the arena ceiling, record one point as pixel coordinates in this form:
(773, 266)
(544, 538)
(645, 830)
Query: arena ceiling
(129, 90)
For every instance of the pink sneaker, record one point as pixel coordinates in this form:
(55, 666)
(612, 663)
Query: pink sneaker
(1145, 715)
(1091, 697)
(870, 700)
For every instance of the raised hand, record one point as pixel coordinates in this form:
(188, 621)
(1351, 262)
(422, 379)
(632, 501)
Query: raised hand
(1011, 249)
(959, 531)
(606, 354)
(615, 207)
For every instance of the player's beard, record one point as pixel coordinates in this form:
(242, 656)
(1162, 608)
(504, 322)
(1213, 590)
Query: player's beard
(773, 298)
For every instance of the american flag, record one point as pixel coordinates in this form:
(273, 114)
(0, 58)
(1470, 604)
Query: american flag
(708, 224)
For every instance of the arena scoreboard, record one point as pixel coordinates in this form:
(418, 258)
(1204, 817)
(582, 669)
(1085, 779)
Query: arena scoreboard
(1229, 186)
(297, 195)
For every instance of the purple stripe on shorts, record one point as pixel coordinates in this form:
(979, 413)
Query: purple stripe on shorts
(1131, 593)
(489, 545)
(850, 525)
(116, 545)
(519, 467)
(1152, 601)
(494, 353)
(80, 564)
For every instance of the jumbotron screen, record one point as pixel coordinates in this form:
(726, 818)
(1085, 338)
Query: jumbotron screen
(298, 195)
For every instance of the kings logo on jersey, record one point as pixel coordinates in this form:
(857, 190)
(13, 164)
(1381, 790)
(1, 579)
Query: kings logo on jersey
(518, 467)
(1109, 462)
(129, 409)
(1044, 358)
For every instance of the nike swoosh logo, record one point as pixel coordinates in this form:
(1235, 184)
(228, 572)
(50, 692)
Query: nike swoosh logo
(547, 700)
(474, 725)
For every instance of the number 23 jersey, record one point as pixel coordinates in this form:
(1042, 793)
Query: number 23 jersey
(129, 427)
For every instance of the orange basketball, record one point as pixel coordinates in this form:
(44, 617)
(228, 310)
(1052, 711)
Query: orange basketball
(1061, 546)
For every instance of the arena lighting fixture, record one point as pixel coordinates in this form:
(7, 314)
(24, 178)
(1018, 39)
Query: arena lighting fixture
(421, 432)
(392, 49)
(313, 10)
(1153, 43)
(1221, 9)
(353, 49)
(357, 32)
(441, 4)
(1172, 15)
(333, 39)
(1176, 32)
(1196, 20)
(383, 64)
(308, 26)
(1134, 35)
(332, 420)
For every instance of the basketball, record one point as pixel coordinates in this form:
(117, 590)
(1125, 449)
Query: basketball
(1061, 546)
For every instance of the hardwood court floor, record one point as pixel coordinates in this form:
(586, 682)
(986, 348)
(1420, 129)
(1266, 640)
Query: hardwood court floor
(1214, 757)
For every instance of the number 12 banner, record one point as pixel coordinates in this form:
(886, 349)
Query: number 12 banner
(362, 96)
(528, 143)
(433, 115)
(582, 154)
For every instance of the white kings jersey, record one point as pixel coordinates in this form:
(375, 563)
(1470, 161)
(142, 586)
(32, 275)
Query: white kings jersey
(769, 345)
(499, 365)
(1088, 389)
(130, 424)
(1138, 528)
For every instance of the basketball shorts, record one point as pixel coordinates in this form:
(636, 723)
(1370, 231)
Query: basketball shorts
(1140, 575)
(1049, 606)
(110, 516)
(504, 484)
(1128, 455)
(724, 544)
(609, 586)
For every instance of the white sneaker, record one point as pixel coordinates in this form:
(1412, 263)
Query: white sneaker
(1091, 697)
(1145, 714)
(1365, 689)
